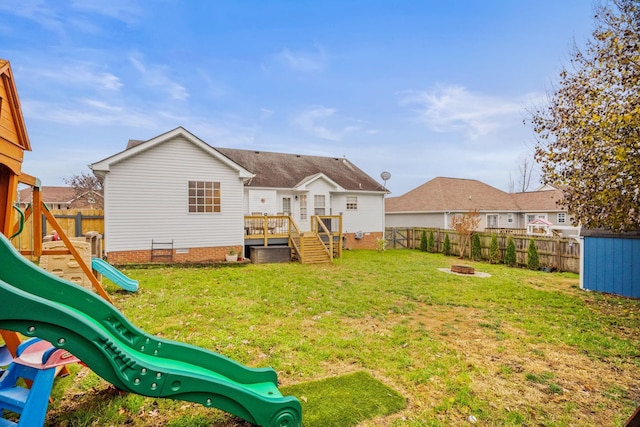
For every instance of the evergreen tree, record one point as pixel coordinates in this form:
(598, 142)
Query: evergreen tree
(476, 247)
(423, 241)
(494, 250)
(510, 257)
(446, 246)
(533, 261)
(431, 243)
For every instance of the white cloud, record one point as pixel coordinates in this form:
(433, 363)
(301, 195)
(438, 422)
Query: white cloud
(38, 11)
(323, 122)
(303, 61)
(122, 10)
(455, 109)
(156, 77)
(266, 113)
(84, 74)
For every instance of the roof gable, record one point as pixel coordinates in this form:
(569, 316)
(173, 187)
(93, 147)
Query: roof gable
(136, 147)
(302, 185)
(13, 132)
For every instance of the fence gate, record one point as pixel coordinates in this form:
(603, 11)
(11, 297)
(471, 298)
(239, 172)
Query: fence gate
(397, 238)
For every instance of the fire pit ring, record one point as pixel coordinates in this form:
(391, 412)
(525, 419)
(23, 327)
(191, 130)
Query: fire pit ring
(462, 269)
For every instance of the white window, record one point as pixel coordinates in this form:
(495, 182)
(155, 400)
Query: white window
(352, 203)
(509, 218)
(318, 204)
(204, 196)
(562, 217)
(286, 205)
(492, 221)
(303, 206)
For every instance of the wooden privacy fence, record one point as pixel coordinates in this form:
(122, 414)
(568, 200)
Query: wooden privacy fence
(74, 222)
(559, 253)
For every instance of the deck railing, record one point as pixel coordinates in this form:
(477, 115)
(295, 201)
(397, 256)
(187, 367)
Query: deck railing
(328, 228)
(267, 226)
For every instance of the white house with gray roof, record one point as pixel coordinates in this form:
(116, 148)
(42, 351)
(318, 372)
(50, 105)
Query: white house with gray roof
(152, 193)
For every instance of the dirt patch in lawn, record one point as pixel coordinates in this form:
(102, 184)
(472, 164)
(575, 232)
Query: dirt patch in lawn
(538, 381)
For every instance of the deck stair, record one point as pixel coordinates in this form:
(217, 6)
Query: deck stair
(313, 251)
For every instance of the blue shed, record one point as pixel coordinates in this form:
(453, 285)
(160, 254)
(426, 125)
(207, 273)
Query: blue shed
(610, 262)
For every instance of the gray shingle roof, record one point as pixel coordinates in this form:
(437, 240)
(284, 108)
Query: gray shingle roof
(280, 170)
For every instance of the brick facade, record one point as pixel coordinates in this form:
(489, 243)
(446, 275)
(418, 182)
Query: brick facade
(368, 241)
(191, 255)
(217, 253)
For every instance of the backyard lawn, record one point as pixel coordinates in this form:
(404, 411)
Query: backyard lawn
(518, 348)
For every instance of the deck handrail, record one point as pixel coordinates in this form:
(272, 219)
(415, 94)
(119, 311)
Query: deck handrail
(316, 225)
(294, 238)
(265, 227)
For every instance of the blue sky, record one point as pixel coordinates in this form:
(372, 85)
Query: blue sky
(417, 88)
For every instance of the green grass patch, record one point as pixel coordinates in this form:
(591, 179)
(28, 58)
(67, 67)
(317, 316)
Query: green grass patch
(454, 346)
(345, 400)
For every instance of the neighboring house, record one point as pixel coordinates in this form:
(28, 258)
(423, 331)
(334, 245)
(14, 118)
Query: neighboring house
(63, 198)
(434, 203)
(154, 189)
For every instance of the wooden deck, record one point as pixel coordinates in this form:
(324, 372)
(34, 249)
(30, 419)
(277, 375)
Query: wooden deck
(320, 245)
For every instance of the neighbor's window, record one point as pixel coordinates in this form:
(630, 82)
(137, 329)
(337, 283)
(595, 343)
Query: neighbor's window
(204, 196)
(352, 203)
(562, 217)
(510, 218)
(492, 221)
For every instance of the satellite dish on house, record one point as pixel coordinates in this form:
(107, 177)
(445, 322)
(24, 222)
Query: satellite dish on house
(385, 177)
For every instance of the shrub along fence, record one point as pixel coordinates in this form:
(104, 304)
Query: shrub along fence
(558, 253)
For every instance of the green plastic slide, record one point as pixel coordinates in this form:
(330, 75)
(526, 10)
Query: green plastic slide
(39, 304)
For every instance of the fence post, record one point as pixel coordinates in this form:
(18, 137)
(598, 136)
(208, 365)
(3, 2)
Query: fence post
(78, 224)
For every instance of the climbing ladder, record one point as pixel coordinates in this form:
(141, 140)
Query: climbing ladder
(37, 362)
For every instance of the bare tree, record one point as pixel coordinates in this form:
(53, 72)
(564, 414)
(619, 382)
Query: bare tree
(525, 164)
(87, 185)
(465, 224)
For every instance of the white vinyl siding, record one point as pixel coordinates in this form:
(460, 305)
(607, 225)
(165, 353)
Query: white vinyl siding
(368, 218)
(134, 217)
